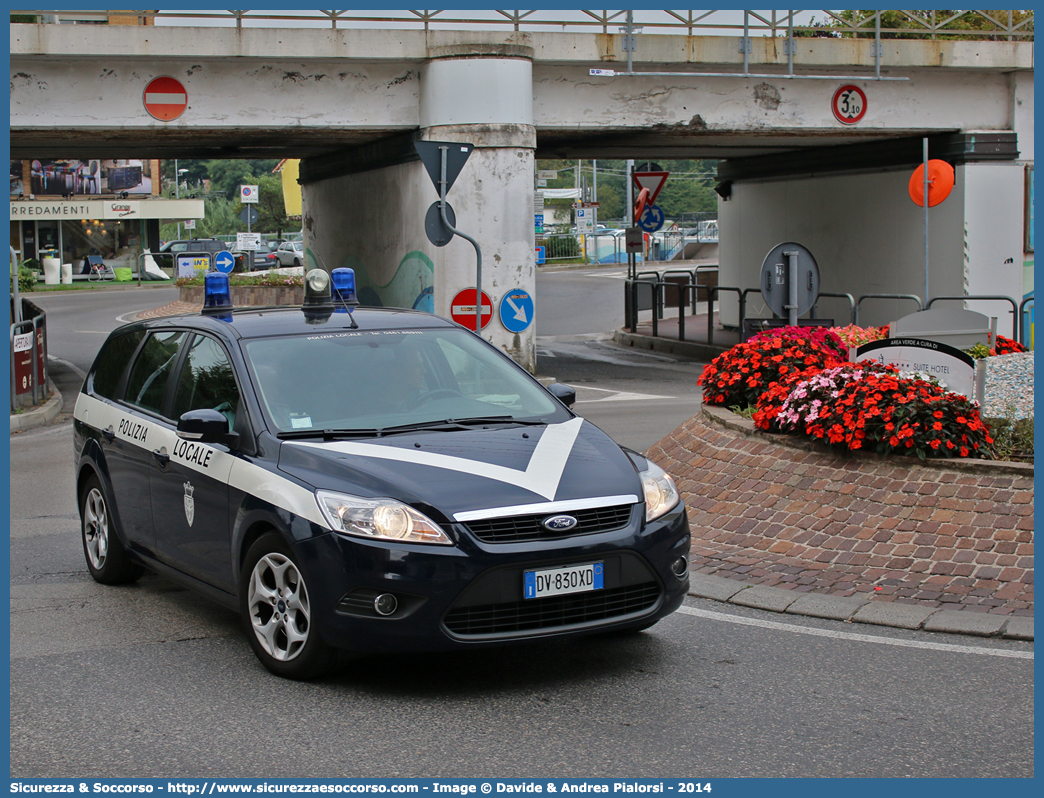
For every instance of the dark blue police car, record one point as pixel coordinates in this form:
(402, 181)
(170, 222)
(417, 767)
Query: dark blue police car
(365, 479)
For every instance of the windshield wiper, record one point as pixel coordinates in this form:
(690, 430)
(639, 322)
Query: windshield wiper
(328, 434)
(458, 424)
(442, 425)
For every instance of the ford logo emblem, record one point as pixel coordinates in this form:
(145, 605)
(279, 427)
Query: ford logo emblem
(559, 523)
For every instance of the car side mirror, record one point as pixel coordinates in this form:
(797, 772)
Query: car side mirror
(563, 393)
(206, 426)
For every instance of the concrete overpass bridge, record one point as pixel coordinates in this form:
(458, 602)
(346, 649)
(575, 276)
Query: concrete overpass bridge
(350, 100)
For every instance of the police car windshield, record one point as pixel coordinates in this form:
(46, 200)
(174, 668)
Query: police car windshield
(367, 381)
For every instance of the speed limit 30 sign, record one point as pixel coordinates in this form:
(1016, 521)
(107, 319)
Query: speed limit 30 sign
(849, 104)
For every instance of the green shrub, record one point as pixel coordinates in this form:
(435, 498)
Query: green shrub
(1012, 437)
(26, 279)
(272, 278)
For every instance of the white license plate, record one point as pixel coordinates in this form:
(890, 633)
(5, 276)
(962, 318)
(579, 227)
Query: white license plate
(557, 581)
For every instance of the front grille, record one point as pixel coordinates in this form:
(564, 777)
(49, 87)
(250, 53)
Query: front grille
(548, 613)
(520, 528)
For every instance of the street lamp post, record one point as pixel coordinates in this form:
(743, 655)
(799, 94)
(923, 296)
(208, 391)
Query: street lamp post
(177, 188)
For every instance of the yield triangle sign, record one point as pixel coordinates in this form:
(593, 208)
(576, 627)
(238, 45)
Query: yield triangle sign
(431, 156)
(651, 180)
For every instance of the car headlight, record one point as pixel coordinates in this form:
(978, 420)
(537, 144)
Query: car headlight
(661, 494)
(381, 519)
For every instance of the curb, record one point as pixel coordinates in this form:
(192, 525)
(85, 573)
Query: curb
(856, 610)
(669, 346)
(38, 416)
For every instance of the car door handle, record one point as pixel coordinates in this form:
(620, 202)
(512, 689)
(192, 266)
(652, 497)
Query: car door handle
(110, 434)
(161, 456)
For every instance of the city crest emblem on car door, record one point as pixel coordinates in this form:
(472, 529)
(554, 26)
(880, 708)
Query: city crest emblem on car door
(190, 504)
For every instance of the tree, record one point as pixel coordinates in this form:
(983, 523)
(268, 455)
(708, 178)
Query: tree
(270, 207)
(925, 24)
(227, 176)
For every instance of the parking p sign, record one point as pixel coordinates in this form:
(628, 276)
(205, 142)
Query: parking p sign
(248, 193)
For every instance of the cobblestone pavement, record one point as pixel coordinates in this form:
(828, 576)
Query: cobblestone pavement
(173, 309)
(938, 537)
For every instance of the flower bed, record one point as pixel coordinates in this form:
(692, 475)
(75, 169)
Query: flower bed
(799, 381)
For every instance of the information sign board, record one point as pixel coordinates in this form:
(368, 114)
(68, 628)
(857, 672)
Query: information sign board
(248, 242)
(186, 265)
(955, 370)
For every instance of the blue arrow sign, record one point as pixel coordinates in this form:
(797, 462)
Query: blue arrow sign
(224, 262)
(652, 219)
(516, 310)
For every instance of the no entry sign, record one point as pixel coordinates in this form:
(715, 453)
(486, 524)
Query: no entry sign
(165, 99)
(462, 309)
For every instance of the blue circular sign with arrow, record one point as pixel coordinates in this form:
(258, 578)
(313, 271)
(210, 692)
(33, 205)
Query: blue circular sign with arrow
(516, 310)
(652, 219)
(224, 262)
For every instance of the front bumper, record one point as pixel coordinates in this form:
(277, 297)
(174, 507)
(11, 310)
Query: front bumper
(470, 594)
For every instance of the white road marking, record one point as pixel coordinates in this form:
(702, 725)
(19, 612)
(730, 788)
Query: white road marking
(888, 641)
(618, 396)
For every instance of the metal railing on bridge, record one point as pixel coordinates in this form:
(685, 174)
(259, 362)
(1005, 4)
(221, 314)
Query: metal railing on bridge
(883, 24)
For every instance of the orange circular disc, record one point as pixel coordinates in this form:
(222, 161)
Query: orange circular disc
(940, 183)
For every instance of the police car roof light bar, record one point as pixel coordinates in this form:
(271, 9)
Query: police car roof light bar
(317, 290)
(217, 297)
(344, 286)
(344, 292)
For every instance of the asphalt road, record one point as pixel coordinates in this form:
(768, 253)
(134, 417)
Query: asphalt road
(150, 680)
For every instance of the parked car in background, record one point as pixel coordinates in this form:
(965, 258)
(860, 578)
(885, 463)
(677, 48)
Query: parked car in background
(264, 256)
(290, 253)
(165, 257)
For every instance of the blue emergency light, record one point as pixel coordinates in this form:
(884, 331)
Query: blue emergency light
(344, 286)
(217, 298)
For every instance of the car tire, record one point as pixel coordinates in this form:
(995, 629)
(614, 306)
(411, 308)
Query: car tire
(277, 613)
(107, 560)
(297, 263)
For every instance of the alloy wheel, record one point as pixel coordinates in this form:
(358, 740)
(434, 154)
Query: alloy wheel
(278, 604)
(96, 528)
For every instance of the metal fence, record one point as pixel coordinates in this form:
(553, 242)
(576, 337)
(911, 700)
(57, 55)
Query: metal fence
(933, 25)
(609, 246)
(655, 291)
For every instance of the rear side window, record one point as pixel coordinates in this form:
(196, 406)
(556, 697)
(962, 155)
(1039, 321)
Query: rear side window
(147, 384)
(112, 362)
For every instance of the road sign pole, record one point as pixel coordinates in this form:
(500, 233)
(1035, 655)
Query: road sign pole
(925, 300)
(792, 278)
(478, 252)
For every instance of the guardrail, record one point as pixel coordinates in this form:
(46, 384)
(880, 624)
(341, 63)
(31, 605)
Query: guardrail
(995, 25)
(914, 297)
(651, 290)
(1026, 329)
(1014, 308)
(851, 304)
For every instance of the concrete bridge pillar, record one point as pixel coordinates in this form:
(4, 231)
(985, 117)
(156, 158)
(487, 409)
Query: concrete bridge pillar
(372, 219)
